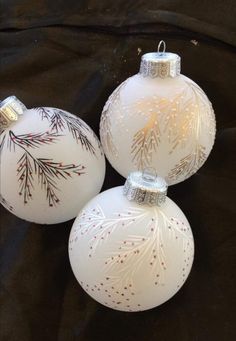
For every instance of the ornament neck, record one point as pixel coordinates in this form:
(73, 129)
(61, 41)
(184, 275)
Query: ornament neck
(160, 64)
(145, 188)
(10, 110)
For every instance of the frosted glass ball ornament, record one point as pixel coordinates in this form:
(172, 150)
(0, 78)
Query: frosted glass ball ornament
(52, 163)
(158, 118)
(131, 248)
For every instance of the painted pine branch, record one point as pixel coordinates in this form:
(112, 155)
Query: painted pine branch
(6, 203)
(189, 164)
(57, 122)
(32, 140)
(44, 112)
(145, 142)
(60, 119)
(46, 169)
(25, 177)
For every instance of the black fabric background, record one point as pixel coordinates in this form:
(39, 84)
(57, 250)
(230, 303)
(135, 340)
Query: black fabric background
(72, 54)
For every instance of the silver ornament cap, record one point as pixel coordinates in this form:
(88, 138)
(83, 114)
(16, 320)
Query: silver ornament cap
(10, 110)
(160, 64)
(145, 188)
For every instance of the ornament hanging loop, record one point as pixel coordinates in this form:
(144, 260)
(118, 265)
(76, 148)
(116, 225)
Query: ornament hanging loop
(149, 174)
(160, 64)
(162, 45)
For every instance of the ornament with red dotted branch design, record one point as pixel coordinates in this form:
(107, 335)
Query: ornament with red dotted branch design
(125, 262)
(132, 251)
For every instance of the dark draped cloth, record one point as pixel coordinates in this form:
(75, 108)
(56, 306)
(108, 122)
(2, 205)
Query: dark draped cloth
(71, 55)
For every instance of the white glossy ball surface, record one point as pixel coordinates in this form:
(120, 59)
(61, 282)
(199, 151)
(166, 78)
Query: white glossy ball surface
(51, 164)
(167, 124)
(130, 257)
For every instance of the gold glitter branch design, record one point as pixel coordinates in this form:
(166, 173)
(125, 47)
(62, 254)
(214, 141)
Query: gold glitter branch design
(208, 119)
(145, 142)
(179, 122)
(105, 132)
(112, 103)
(189, 164)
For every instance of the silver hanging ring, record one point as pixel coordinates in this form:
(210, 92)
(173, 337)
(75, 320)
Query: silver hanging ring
(149, 174)
(162, 45)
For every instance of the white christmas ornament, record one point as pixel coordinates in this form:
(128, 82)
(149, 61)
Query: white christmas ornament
(131, 248)
(158, 118)
(52, 163)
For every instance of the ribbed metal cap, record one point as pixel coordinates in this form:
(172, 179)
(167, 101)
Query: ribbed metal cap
(10, 110)
(145, 188)
(160, 64)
